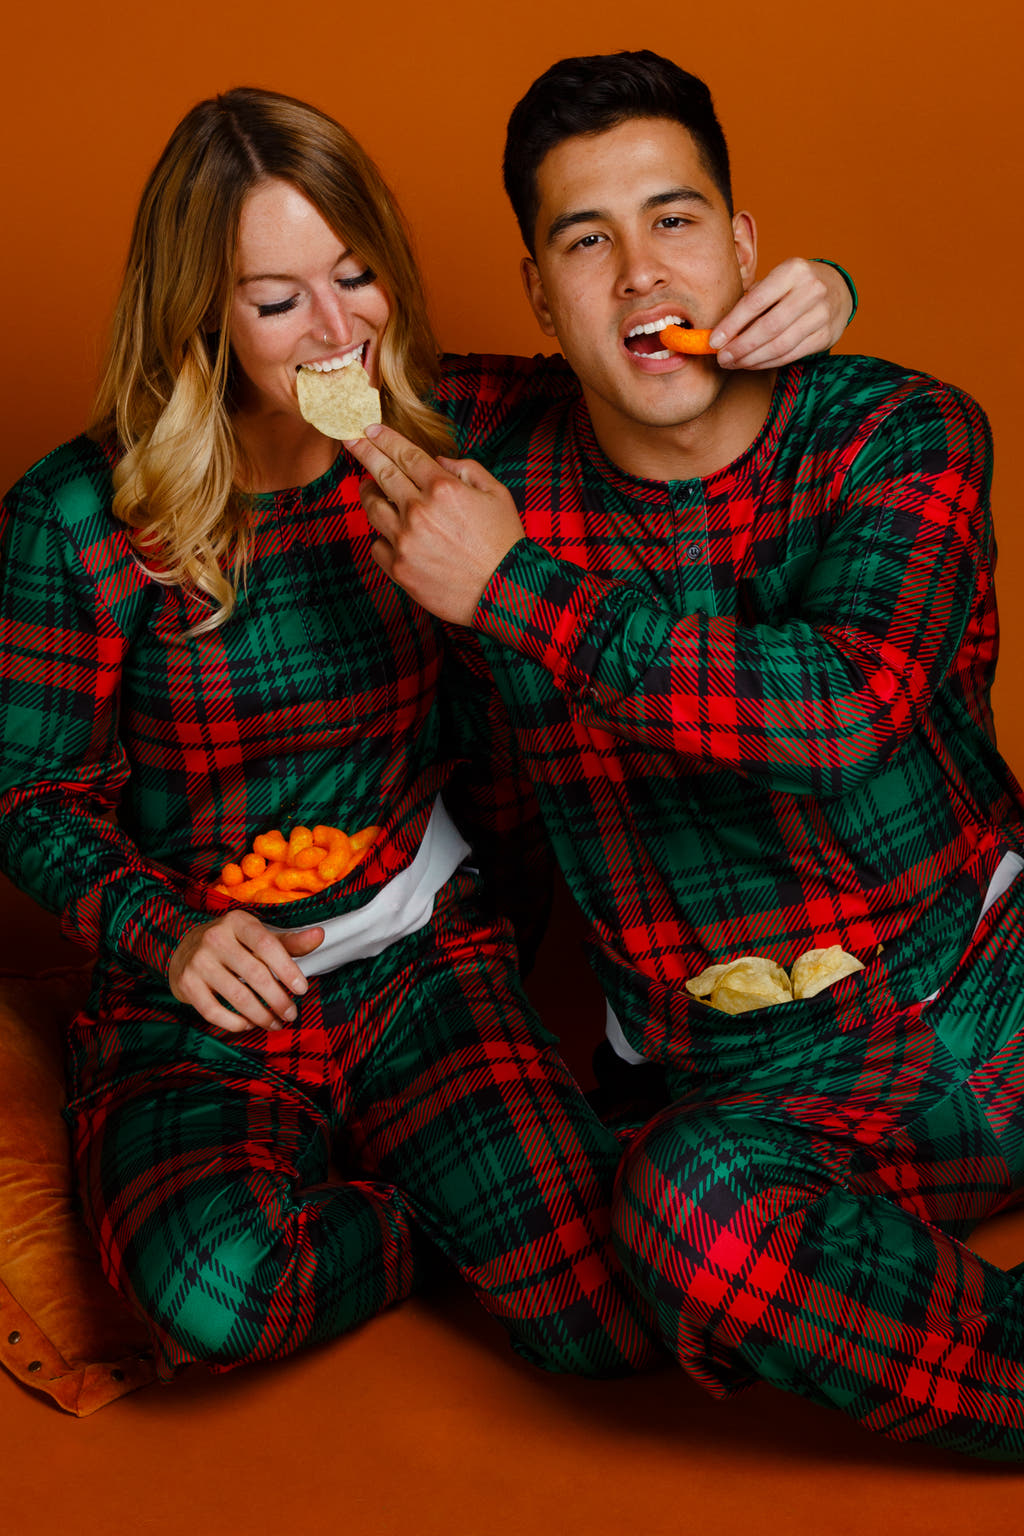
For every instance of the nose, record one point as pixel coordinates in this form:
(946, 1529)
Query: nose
(330, 320)
(641, 268)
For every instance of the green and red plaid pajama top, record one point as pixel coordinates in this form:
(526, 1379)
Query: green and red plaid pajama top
(135, 762)
(755, 708)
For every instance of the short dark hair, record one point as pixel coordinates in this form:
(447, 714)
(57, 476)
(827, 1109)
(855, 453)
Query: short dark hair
(592, 94)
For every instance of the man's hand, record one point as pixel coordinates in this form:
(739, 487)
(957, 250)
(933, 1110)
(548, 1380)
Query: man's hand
(799, 308)
(237, 959)
(445, 525)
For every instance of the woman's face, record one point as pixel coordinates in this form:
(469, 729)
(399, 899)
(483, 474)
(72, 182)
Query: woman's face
(300, 296)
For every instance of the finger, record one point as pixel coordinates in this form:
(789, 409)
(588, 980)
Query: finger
(381, 514)
(199, 996)
(754, 302)
(470, 473)
(302, 941)
(249, 989)
(397, 487)
(794, 343)
(768, 327)
(398, 466)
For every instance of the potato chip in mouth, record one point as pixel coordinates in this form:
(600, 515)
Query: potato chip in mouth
(341, 403)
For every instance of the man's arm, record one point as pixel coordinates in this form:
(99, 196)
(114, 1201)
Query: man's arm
(811, 707)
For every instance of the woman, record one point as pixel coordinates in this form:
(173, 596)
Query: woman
(198, 647)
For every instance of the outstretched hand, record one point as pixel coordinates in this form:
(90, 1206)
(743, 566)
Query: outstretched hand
(238, 974)
(799, 308)
(444, 525)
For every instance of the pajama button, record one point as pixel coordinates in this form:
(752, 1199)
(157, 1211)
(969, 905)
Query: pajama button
(693, 551)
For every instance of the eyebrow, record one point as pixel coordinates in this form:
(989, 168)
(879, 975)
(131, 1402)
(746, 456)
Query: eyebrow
(566, 221)
(286, 277)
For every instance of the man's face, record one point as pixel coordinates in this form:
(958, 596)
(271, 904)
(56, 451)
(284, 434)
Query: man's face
(632, 232)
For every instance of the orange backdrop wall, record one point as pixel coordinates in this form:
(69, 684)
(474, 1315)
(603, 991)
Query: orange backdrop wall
(887, 135)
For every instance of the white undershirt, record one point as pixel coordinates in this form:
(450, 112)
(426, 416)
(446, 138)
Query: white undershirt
(403, 906)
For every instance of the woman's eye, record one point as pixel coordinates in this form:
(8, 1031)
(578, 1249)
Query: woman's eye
(362, 281)
(280, 308)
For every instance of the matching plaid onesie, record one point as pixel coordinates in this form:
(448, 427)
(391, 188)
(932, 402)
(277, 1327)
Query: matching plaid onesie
(755, 708)
(252, 1193)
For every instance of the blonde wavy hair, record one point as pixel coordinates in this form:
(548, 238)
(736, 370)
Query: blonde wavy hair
(166, 388)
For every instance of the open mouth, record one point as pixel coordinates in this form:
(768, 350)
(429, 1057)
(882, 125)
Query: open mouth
(340, 360)
(645, 340)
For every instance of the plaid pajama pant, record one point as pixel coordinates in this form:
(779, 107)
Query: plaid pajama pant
(803, 1219)
(203, 1159)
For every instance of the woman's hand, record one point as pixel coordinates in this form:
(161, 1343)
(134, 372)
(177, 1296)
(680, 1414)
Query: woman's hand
(236, 960)
(799, 308)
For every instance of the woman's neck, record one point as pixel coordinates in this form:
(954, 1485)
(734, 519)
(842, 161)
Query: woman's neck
(280, 450)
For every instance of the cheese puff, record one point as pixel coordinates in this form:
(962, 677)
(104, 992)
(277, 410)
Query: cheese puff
(271, 845)
(300, 838)
(308, 858)
(292, 879)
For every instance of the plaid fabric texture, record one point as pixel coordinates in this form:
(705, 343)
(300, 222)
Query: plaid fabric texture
(755, 706)
(133, 763)
(805, 1222)
(203, 1160)
(756, 711)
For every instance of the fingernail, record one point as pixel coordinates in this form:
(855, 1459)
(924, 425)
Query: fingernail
(291, 1014)
(716, 339)
(349, 443)
(374, 429)
(726, 359)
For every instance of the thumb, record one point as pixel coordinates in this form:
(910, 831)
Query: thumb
(302, 941)
(469, 472)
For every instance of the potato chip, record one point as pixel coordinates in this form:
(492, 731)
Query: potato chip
(701, 986)
(817, 969)
(340, 404)
(751, 982)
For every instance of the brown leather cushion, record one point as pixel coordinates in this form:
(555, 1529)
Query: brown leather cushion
(63, 1330)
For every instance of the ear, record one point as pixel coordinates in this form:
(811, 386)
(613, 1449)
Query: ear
(534, 286)
(744, 233)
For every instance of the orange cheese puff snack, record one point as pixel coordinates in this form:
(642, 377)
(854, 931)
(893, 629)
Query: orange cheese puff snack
(361, 840)
(271, 845)
(679, 339)
(232, 874)
(298, 839)
(292, 879)
(308, 858)
(252, 865)
(250, 890)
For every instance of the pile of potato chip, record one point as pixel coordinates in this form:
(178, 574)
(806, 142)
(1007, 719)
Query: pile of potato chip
(754, 982)
(289, 868)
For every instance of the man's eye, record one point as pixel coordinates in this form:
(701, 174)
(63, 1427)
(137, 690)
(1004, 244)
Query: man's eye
(673, 221)
(280, 308)
(587, 242)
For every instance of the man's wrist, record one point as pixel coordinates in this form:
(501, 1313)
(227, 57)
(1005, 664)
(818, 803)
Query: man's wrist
(826, 261)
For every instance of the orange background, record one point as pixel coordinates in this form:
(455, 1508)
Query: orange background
(886, 135)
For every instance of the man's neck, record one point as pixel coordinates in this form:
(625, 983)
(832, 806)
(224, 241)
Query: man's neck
(690, 449)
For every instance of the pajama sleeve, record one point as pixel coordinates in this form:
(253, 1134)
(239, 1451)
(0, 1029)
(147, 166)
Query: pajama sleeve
(62, 767)
(815, 705)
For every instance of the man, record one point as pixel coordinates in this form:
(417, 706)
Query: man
(746, 645)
